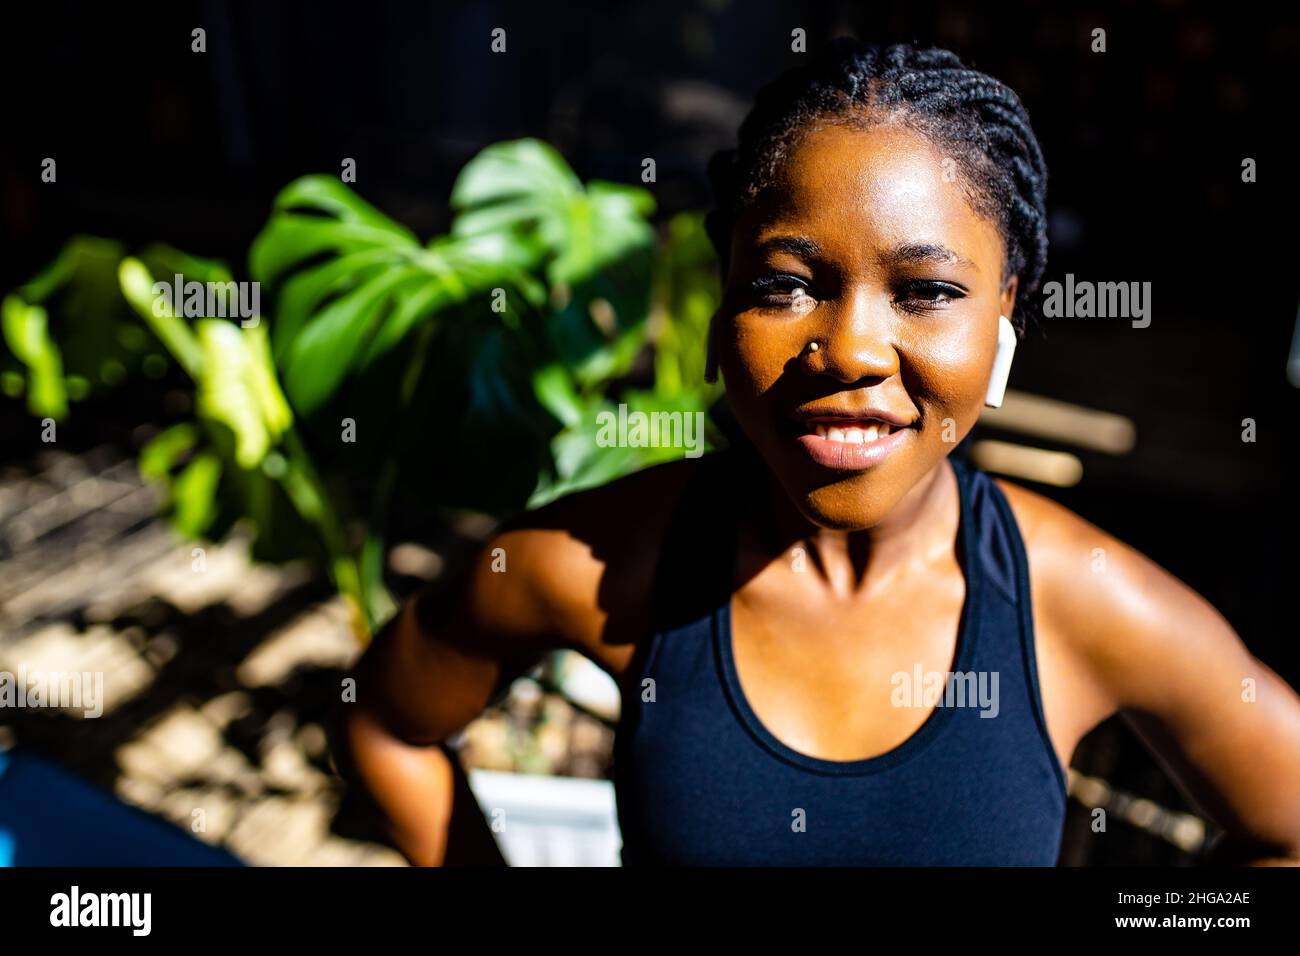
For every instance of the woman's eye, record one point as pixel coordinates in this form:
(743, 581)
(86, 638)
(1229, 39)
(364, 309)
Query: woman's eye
(928, 295)
(783, 292)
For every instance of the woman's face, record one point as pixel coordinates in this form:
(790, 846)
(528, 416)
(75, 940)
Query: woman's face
(867, 245)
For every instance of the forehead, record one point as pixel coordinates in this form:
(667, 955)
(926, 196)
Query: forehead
(852, 190)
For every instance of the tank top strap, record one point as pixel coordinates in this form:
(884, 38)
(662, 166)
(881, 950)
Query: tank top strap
(999, 549)
(1004, 575)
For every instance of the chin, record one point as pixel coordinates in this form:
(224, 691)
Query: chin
(852, 502)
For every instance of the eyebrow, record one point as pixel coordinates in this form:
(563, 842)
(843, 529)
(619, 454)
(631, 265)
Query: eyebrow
(910, 252)
(798, 245)
(926, 252)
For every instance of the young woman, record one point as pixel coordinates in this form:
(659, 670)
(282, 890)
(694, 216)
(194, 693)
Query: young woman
(836, 644)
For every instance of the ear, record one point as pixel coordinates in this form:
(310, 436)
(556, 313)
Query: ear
(1007, 299)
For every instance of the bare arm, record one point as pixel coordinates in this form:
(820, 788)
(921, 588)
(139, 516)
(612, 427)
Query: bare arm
(436, 666)
(1225, 725)
(575, 574)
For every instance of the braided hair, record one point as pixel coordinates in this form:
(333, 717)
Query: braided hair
(975, 119)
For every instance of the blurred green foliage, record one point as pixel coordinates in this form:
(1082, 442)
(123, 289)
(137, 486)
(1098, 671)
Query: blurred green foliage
(469, 370)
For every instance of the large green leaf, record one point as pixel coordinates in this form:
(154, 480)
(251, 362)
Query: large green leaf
(162, 452)
(597, 245)
(526, 185)
(320, 357)
(579, 461)
(329, 196)
(172, 330)
(686, 295)
(195, 495)
(583, 457)
(26, 332)
(352, 285)
(290, 239)
(521, 170)
(238, 388)
(553, 386)
(302, 295)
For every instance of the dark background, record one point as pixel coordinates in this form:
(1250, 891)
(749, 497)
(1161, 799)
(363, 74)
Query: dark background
(1144, 144)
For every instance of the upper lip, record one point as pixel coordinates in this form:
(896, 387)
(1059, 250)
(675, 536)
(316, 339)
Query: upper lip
(843, 413)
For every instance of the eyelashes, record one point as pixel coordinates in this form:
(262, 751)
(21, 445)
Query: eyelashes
(779, 287)
(927, 295)
(782, 291)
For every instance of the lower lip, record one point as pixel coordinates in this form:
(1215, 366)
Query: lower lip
(845, 457)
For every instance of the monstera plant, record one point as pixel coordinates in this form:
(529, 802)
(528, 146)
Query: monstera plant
(470, 370)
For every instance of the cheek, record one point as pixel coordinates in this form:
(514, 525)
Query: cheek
(948, 367)
(948, 380)
(756, 351)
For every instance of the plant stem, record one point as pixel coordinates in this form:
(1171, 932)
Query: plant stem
(310, 498)
(379, 604)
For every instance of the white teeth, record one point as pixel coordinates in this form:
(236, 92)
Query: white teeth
(853, 434)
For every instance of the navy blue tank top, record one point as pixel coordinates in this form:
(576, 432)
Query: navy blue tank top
(699, 780)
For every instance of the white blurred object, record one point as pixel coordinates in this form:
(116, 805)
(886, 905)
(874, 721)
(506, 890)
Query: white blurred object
(586, 684)
(1021, 461)
(1062, 421)
(549, 821)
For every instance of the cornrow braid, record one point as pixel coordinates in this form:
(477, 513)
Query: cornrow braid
(979, 121)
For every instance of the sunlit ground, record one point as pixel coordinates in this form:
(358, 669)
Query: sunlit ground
(218, 675)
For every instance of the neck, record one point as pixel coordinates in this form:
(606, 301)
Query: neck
(919, 529)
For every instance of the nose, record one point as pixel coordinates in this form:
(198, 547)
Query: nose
(857, 340)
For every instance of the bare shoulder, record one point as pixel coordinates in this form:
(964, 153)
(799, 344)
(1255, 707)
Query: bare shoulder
(578, 572)
(1128, 636)
(1116, 610)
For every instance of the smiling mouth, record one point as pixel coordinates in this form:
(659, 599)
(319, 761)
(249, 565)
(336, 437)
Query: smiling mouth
(849, 444)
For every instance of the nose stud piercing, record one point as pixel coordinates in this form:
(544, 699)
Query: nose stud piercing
(813, 346)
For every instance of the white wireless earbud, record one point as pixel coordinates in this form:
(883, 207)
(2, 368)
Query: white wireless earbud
(1001, 363)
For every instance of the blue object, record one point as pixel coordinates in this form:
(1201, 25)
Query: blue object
(49, 817)
(700, 781)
